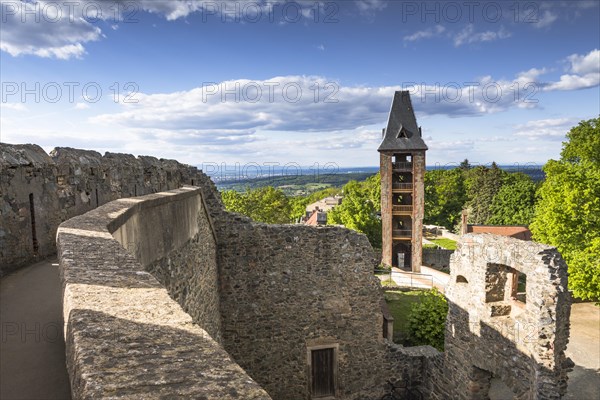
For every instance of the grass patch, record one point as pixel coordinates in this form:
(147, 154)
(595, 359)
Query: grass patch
(399, 303)
(389, 283)
(445, 243)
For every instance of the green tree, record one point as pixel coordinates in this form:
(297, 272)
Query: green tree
(584, 271)
(427, 320)
(583, 143)
(465, 165)
(515, 201)
(482, 186)
(358, 212)
(567, 214)
(265, 204)
(372, 186)
(445, 196)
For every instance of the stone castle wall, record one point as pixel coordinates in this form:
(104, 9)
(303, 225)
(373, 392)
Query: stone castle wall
(64, 184)
(126, 336)
(170, 295)
(495, 333)
(285, 289)
(437, 258)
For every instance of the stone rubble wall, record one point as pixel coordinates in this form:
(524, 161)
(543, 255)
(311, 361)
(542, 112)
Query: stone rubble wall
(126, 338)
(491, 335)
(64, 184)
(287, 288)
(170, 295)
(437, 258)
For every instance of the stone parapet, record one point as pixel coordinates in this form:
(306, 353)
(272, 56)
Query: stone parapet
(39, 191)
(126, 337)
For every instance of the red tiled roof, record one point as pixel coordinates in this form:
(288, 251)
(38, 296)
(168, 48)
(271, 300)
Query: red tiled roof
(312, 220)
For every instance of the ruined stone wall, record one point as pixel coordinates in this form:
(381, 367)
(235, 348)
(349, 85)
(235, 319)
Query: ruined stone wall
(437, 258)
(493, 332)
(64, 184)
(264, 295)
(125, 336)
(287, 288)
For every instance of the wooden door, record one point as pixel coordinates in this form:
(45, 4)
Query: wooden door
(323, 372)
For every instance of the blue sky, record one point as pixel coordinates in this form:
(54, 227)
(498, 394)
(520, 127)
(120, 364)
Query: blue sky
(298, 82)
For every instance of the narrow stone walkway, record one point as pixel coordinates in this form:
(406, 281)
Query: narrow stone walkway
(32, 349)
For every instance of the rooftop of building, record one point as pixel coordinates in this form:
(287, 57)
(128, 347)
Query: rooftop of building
(402, 131)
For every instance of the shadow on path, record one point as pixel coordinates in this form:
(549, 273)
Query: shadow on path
(32, 348)
(584, 350)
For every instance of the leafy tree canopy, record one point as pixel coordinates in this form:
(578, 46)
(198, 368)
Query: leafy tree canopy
(358, 210)
(567, 214)
(445, 196)
(482, 186)
(265, 204)
(514, 203)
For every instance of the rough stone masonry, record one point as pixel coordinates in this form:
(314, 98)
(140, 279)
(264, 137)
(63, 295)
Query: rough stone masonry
(170, 295)
(39, 191)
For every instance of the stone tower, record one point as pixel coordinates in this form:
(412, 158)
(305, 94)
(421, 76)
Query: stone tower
(402, 167)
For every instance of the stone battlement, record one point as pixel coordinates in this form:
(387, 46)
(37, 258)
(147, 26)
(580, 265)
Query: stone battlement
(39, 191)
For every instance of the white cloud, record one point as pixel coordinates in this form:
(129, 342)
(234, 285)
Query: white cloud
(349, 139)
(321, 47)
(46, 28)
(583, 72)
(452, 147)
(554, 129)
(468, 35)
(531, 75)
(366, 6)
(425, 34)
(546, 19)
(13, 106)
(586, 64)
(293, 104)
(280, 103)
(82, 106)
(49, 36)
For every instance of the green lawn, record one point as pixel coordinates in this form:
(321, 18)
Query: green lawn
(399, 303)
(448, 244)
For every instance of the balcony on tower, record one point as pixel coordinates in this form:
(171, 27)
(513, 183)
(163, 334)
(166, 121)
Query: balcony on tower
(402, 166)
(402, 203)
(402, 227)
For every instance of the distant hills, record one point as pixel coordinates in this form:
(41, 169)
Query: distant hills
(295, 181)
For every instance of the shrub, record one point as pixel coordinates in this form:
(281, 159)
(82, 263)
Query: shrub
(427, 320)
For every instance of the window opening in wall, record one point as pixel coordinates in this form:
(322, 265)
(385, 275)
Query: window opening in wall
(519, 286)
(192, 182)
(461, 279)
(322, 372)
(480, 379)
(503, 283)
(135, 190)
(97, 202)
(33, 230)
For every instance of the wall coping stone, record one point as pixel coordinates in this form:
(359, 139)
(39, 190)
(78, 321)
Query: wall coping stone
(125, 336)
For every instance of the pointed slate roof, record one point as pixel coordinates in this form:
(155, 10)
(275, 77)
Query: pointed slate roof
(402, 132)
